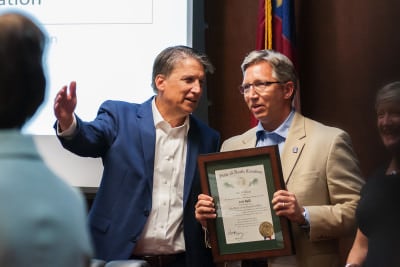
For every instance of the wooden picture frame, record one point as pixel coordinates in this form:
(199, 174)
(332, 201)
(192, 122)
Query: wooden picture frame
(242, 183)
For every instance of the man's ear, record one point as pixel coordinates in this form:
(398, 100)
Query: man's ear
(288, 89)
(159, 81)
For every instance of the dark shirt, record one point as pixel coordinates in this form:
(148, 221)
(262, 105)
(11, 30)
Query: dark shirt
(378, 215)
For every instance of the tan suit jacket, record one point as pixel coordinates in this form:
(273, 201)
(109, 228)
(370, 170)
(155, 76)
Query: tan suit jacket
(321, 169)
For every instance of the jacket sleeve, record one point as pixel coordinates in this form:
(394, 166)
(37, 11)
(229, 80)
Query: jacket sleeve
(344, 182)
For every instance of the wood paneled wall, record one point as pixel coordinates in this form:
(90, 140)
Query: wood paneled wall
(346, 51)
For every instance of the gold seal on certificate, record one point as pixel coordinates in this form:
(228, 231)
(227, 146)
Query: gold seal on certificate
(266, 230)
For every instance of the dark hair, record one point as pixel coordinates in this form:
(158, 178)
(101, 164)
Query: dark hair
(167, 59)
(22, 78)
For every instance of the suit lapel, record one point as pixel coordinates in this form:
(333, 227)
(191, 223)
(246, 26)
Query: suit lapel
(148, 138)
(191, 159)
(293, 147)
(249, 139)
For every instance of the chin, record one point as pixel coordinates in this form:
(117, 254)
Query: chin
(260, 117)
(190, 108)
(187, 111)
(392, 146)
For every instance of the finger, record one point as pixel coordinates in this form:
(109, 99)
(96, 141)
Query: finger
(72, 89)
(205, 216)
(204, 197)
(204, 213)
(278, 199)
(204, 210)
(279, 193)
(276, 206)
(283, 192)
(281, 205)
(60, 93)
(204, 203)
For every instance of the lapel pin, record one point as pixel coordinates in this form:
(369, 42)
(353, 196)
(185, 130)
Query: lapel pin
(295, 149)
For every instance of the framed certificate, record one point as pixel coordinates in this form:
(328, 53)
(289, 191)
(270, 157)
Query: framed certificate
(242, 184)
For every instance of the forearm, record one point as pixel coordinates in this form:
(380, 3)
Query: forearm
(359, 250)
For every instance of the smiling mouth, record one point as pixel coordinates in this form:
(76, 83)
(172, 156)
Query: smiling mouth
(390, 132)
(191, 100)
(390, 136)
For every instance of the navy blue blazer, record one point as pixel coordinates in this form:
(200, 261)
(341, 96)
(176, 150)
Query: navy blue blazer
(123, 135)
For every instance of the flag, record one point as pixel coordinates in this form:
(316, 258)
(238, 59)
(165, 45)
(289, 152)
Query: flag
(276, 30)
(283, 28)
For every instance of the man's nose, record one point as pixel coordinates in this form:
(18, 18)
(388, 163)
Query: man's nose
(386, 119)
(197, 87)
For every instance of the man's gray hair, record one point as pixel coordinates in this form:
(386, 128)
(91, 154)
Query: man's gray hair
(388, 93)
(282, 67)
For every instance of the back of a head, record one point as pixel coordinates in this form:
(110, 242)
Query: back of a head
(22, 78)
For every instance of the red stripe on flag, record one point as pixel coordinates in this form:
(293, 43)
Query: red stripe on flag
(280, 41)
(260, 38)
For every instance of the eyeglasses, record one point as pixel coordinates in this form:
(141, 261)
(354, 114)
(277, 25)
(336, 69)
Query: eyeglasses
(259, 86)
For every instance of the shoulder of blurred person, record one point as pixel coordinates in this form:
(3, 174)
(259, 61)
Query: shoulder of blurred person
(43, 218)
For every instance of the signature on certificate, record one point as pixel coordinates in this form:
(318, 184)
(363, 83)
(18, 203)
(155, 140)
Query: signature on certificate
(235, 234)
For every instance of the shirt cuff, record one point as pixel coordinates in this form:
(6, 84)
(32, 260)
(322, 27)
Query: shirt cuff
(306, 216)
(68, 132)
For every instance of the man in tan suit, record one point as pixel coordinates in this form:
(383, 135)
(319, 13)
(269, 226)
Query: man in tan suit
(319, 166)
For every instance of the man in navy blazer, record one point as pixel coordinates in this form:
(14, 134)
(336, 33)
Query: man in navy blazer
(144, 207)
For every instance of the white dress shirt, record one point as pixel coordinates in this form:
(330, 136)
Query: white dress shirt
(163, 232)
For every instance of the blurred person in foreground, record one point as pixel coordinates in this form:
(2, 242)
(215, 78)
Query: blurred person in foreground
(319, 166)
(43, 219)
(378, 235)
(144, 207)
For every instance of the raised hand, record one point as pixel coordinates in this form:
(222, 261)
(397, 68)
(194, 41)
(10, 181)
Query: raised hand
(64, 105)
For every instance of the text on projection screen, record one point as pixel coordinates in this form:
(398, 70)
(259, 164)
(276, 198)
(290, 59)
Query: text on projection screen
(107, 47)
